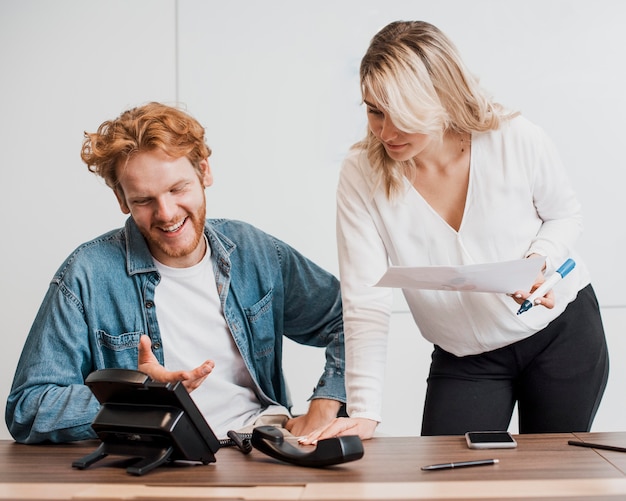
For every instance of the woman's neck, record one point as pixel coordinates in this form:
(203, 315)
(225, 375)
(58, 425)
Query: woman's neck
(453, 150)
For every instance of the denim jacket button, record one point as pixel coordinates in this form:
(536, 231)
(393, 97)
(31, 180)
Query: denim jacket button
(149, 304)
(156, 345)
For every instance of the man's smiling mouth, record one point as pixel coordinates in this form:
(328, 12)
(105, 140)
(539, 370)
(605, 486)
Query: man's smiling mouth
(174, 227)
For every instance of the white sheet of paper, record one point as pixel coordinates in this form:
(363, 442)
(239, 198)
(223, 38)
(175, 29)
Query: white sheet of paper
(506, 277)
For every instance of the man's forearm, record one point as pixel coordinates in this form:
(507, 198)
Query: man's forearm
(324, 408)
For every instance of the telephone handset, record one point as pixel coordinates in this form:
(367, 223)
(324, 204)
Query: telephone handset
(330, 451)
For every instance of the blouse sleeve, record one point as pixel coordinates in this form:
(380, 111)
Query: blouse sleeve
(366, 309)
(555, 201)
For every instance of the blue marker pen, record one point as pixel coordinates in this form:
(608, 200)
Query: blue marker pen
(563, 270)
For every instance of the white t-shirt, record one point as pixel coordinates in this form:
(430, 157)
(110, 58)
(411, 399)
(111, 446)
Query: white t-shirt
(193, 329)
(519, 202)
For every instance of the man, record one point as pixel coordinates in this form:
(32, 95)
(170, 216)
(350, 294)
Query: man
(173, 290)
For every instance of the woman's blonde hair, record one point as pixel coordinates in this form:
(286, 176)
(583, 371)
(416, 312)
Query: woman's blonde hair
(415, 75)
(146, 128)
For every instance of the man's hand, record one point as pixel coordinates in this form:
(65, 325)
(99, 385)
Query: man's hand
(340, 427)
(321, 412)
(148, 364)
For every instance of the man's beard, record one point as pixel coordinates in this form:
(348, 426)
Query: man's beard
(197, 220)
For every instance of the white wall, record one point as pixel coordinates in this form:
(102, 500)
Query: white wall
(276, 85)
(65, 66)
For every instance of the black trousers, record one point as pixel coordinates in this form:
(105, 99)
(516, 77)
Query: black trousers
(557, 377)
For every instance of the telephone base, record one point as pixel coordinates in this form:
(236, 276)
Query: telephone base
(148, 457)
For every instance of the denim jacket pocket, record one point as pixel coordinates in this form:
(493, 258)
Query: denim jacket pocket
(261, 320)
(118, 350)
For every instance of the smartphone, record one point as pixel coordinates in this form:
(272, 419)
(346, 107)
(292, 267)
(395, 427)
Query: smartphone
(490, 440)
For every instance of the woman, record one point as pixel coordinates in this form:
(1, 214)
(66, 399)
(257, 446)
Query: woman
(445, 176)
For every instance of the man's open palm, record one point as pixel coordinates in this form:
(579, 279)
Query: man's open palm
(148, 364)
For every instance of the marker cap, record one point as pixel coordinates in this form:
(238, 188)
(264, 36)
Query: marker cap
(566, 267)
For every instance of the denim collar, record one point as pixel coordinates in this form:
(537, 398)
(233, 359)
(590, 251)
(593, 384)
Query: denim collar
(139, 259)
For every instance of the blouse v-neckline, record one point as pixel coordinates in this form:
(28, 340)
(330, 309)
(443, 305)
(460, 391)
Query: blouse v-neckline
(467, 195)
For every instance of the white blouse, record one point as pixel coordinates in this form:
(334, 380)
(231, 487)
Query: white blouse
(519, 202)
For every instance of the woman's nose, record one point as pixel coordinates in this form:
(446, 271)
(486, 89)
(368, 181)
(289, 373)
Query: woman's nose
(388, 131)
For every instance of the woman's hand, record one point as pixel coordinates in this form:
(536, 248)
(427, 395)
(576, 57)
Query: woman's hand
(341, 427)
(547, 300)
(148, 364)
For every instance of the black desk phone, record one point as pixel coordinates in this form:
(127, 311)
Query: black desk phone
(141, 418)
(159, 422)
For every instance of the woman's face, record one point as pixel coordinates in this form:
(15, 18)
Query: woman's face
(399, 145)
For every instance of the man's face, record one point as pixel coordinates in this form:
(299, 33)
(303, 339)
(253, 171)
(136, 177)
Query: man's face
(165, 197)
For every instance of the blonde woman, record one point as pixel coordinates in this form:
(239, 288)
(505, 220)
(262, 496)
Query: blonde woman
(445, 176)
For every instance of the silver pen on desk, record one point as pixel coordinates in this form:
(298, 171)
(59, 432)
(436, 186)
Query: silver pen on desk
(460, 464)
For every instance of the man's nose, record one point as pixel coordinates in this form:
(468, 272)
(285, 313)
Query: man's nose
(165, 209)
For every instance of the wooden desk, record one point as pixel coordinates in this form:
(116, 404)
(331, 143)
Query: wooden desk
(541, 467)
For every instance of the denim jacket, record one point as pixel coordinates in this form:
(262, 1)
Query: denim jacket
(101, 301)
